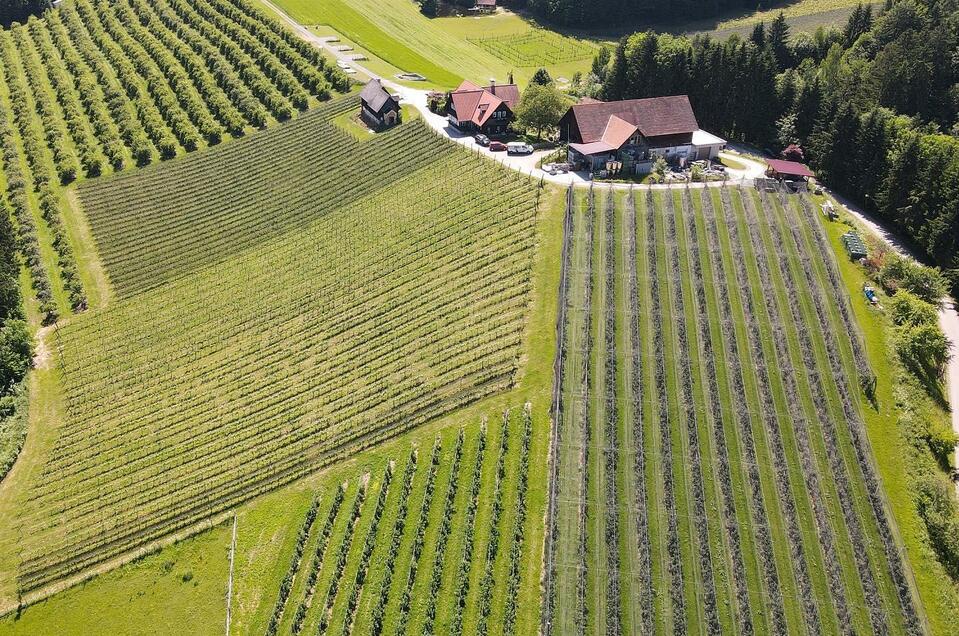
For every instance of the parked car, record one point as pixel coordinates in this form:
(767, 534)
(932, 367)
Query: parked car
(482, 139)
(497, 146)
(519, 148)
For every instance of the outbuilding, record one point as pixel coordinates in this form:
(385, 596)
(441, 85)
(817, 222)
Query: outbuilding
(378, 108)
(788, 170)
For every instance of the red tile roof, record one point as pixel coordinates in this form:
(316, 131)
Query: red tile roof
(618, 131)
(654, 117)
(793, 168)
(476, 104)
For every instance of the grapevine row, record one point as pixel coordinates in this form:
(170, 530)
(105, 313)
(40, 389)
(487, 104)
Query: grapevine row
(610, 447)
(492, 546)
(519, 526)
(582, 611)
(692, 426)
(319, 554)
(415, 553)
(359, 578)
(461, 586)
(287, 584)
(802, 426)
(344, 548)
(773, 589)
(636, 392)
(673, 552)
(798, 551)
(443, 536)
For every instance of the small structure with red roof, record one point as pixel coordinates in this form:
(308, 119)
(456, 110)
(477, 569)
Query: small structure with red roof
(788, 170)
(486, 110)
(484, 6)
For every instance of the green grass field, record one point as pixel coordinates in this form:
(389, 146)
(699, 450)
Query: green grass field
(714, 465)
(447, 50)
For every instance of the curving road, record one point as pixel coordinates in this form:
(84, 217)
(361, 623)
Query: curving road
(948, 314)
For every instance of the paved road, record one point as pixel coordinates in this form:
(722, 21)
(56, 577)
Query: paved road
(948, 315)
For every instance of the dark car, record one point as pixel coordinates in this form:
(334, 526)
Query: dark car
(497, 146)
(482, 139)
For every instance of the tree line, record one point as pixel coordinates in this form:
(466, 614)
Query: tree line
(614, 12)
(19, 10)
(872, 106)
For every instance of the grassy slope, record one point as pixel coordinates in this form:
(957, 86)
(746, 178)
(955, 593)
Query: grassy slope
(395, 31)
(940, 599)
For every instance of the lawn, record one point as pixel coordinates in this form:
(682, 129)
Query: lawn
(180, 587)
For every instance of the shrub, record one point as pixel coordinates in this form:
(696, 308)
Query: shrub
(899, 272)
(16, 350)
(937, 506)
(910, 310)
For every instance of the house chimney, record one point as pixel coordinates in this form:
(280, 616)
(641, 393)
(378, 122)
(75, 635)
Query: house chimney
(509, 79)
(492, 85)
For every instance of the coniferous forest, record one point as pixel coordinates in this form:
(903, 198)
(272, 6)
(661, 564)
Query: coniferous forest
(614, 12)
(19, 10)
(873, 105)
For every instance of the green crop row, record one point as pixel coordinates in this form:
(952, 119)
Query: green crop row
(476, 489)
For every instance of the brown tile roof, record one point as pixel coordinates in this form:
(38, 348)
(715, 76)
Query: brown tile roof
(476, 104)
(654, 117)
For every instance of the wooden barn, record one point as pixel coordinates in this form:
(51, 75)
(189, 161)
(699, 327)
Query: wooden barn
(378, 108)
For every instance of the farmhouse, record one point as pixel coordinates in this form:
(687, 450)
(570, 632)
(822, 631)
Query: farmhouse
(634, 132)
(487, 110)
(484, 6)
(378, 108)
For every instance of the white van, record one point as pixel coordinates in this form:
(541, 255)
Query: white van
(518, 148)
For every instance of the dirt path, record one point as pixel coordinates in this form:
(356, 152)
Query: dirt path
(42, 354)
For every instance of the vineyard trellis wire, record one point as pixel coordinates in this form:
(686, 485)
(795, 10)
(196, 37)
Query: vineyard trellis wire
(770, 420)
